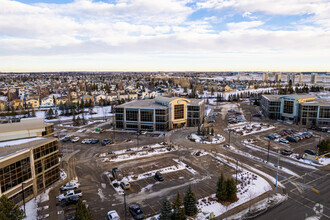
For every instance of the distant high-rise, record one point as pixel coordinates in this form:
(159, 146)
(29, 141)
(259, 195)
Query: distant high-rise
(300, 78)
(291, 77)
(278, 77)
(267, 76)
(263, 76)
(314, 78)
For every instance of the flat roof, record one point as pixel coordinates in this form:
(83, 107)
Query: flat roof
(12, 146)
(273, 98)
(23, 124)
(148, 103)
(317, 102)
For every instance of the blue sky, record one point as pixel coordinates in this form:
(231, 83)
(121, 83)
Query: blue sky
(149, 35)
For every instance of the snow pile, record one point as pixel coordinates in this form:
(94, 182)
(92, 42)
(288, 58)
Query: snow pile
(322, 161)
(101, 195)
(217, 139)
(43, 197)
(179, 166)
(63, 174)
(140, 154)
(250, 187)
(31, 209)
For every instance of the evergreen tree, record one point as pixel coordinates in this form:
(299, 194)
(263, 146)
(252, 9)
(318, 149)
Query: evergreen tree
(231, 190)
(190, 202)
(178, 213)
(9, 211)
(212, 132)
(82, 212)
(199, 130)
(33, 113)
(166, 212)
(221, 193)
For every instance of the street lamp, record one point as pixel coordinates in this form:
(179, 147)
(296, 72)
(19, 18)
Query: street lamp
(268, 151)
(23, 197)
(125, 205)
(236, 169)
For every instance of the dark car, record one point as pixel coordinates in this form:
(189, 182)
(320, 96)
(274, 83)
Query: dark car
(95, 141)
(286, 152)
(105, 142)
(136, 212)
(66, 138)
(310, 152)
(159, 177)
(71, 201)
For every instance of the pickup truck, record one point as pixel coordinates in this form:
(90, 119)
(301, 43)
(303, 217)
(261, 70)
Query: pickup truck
(69, 194)
(70, 186)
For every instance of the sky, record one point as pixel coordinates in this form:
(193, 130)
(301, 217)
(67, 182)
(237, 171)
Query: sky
(164, 35)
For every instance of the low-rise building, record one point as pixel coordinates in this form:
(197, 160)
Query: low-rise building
(299, 109)
(159, 114)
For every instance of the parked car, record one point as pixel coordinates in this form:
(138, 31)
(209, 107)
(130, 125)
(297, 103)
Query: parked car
(136, 212)
(70, 186)
(310, 152)
(76, 139)
(117, 174)
(159, 177)
(106, 141)
(66, 138)
(95, 141)
(284, 141)
(125, 184)
(71, 201)
(271, 137)
(286, 152)
(86, 141)
(292, 139)
(113, 215)
(69, 194)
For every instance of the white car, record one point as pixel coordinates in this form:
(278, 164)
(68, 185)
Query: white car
(70, 186)
(113, 215)
(86, 141)
(69, 194)
(76, 139)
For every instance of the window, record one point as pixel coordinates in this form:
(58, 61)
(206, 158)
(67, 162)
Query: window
(146, 127)
(119, 124)
(119, 110)
(193, 108)
(147, 115)
(119, 117)
(45, 149)
(160, 118)
(288, 107)
(52, 176)
(178, 112)
(132, 115)
(160, 112)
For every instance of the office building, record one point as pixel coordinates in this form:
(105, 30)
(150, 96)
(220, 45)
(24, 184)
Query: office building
(313, 78)
(159, 114)
(278, 77)
(31, 162)
(299, 109)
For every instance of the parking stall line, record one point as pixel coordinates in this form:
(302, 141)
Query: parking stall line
(169, 176)
(151, 207)
(213, 189)
(207, 193)
(138, 185)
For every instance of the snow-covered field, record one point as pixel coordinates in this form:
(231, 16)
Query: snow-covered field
(252, 128)
(217, 139)
(99, 111)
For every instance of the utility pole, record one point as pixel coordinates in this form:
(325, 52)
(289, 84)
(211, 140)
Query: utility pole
(137, 138)
(268, 151)
(125, 205)
(229, 135)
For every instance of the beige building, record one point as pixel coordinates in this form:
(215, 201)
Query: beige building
(29, 158)
(32, 103)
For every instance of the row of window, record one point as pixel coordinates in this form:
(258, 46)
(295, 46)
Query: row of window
(45, 149)
(14, 174)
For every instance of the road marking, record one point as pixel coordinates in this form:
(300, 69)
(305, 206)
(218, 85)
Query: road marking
(169, 176)
(210, 187)
(207, 193)
(138, 185)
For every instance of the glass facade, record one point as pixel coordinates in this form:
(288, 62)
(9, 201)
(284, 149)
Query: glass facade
(14, 174)
(288, 107)
(178, 112)
(147, 115)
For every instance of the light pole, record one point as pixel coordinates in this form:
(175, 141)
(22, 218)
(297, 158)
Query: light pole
(23, 198)
(137, 138)
(236, 169)
(278, 164)
(268, 151)
(125, 206)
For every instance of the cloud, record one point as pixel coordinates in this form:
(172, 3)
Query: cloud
(128, 28)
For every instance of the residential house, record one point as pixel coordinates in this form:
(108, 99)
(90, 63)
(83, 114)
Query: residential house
(47, 102)
(32, 103)
(17, 104)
